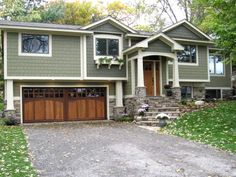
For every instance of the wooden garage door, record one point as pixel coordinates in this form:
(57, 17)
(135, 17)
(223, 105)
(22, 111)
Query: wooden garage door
(63, 104)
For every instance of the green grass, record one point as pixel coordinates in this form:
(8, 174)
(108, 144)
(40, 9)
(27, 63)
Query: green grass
(213, 126)
(14, 158)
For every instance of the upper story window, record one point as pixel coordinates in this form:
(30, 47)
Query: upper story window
(34, 45)
(188, 55)
(216, 65)
(107, 45)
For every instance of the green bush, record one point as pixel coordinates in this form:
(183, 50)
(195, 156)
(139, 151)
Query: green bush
(125, 119)
(8, 121)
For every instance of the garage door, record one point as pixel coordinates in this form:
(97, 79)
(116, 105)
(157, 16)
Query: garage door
(63, 104)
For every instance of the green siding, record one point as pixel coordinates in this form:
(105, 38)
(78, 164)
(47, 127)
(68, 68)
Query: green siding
(65, 60)
(221, 81)
(103, 70)
(158, 46)
(133, 54)
(17, 85)
(183, 32)
(199, 72)
(128, 84)
(107, 27)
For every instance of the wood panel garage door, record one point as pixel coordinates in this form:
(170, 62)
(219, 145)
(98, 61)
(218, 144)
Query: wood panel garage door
(63, 104)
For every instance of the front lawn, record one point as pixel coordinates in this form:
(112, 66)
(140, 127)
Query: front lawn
(14, 159)
(213, 126)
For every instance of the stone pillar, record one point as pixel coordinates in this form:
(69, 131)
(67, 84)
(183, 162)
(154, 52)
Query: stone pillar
(175, 71)
(118, 110)
(176, 93)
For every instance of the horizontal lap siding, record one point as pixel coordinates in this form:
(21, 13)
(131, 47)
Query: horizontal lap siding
(65, 60)
(221, 81)
(199, 72)
(17, 85)
(183, 32)
(158, 46)
(127, 84)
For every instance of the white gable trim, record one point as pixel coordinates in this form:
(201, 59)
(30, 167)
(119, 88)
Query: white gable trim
(189, 24)
(111, 19)
(144, 44)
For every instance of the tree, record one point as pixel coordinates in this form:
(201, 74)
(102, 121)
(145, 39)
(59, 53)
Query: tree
(53, 12)
(220, 22)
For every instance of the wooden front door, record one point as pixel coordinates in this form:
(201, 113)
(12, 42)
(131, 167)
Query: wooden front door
(152, 77)
(148, 77)
(63, 104)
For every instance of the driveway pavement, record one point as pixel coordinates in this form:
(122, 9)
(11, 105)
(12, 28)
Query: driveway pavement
(121, 150)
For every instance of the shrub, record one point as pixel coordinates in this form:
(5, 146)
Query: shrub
(125, 119)
(8, 121)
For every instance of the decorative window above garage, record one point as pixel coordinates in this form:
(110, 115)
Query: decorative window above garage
(188, 55)
(108, 50)
(34, 45)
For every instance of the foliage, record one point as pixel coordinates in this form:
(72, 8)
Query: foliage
(213, 126)
(14, 158)
(125, 119)
(220, 22)
(8, 121)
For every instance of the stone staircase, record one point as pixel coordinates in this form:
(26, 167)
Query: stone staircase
(159, 105)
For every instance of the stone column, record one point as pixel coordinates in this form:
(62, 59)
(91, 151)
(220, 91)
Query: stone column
(175, 71)
(118, 110)
(140, 90)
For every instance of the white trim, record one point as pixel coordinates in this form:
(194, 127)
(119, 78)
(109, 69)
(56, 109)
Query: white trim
(192, 40)
(132, 62)
(20, 53)
(218, 88)
(169, 55)
(167, 73)
(42, 78)
(65, 86)
(112, 97)
(129, 42)
(107, 19)
(137, 35)
(129, 96)
(105, 78)
(189, 24)
(5, 53)
(81, 58)
(154, 77)
(16, 97)
(191, 80)
(10, 95)
(144, 44)
(119, 94)
(161, 79)
(208, 71)
(84, 56)
(45, 29)
(127, 70)
(107, 36)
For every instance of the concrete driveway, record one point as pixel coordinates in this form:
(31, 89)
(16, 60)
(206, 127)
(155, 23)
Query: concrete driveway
(121, 150)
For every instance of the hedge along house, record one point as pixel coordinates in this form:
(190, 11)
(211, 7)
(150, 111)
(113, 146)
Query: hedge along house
(68, 73)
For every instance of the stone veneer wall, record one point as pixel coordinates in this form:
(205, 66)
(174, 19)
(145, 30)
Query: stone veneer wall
(112, 103)
(199, 92)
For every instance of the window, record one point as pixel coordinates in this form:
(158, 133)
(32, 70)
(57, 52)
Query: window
(188, 55)
(216, 65)
(186, 92)
(107, 47)
(34, 44)
(214, 93)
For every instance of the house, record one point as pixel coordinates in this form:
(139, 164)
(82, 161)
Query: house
(65, 73)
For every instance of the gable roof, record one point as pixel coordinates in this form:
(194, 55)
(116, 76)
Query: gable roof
(144, 44)
(111, 19)
(189, 25)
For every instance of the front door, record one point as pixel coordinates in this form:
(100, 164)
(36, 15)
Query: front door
(152, 78)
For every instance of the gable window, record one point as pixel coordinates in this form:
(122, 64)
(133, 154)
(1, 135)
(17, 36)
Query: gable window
(216, 65)
(188, 55)
(107, 45)
(34, 45)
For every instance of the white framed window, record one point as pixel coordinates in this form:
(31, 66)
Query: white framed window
(31, 44)
(216, 64)
(189, 55)
(107, 46)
